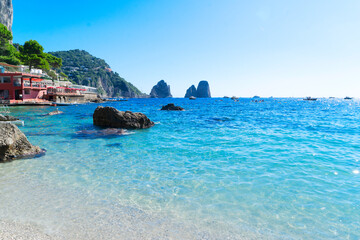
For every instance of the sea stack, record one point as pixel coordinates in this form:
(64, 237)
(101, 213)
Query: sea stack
(161, 90)
(191, 92)
(202, 91)
(6, 13)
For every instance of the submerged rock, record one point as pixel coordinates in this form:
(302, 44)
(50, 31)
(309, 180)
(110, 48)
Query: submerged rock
(104, 132)
(203, 90)
(191, 92)
(57, 112)
(14, 144)
(111, 117)
(161, 90)
(172, 107)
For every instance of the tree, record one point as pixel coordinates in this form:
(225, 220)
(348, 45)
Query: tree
(32, 54)
(8, 53)
(53, 61)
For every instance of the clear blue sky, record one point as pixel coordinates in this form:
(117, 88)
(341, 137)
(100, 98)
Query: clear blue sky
(243, 48)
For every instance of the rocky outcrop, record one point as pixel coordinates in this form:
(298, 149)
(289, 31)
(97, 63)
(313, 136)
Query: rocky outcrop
(191, 92)
(111, 117)
(172, 107)
(14, 144)
(7, 118)
(203, 90)
(6, 13)
(161, 90)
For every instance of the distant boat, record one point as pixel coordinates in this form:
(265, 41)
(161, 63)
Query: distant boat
(234, 98)
(348, 98)
(331, 97)
(226, 97)
(310, 99)
(192, 98)
(256, 96)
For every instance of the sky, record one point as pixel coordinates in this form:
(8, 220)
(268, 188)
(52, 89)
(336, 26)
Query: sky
(280, 48)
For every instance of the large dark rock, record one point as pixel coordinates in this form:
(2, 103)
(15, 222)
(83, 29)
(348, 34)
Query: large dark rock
(191, 92)
(111, 117)
(172, 107)
(161, 90)
(203, 90)
(14, 144)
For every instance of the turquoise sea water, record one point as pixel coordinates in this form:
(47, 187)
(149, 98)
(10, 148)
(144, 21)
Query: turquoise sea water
(281, 169)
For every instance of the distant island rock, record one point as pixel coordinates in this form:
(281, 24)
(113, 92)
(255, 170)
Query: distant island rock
(84, 69)
(202, 91)
(6, 13)
(14, 144)
(111, 117)
(161, 90)
(191, 92)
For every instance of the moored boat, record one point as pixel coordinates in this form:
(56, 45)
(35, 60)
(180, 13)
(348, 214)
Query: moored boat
(310, 99)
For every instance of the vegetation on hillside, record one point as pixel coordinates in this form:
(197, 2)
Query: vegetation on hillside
(83, 68)
(31, 54)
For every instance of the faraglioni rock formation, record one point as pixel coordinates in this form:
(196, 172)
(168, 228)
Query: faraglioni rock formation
(6, 13)
(14, 144)
(191, 92)
(202, 91)
(161, 90)
(111, 117)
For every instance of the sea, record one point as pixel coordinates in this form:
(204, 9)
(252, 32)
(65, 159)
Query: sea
(283, 168)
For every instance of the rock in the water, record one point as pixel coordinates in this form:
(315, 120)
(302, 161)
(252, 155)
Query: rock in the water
(203, 90)
(191, 92)
(161, 90)
(57, 112)
(14, 144)
(7, 118)
(172, 107)
(103, 132)
(111, 117)
(6, 13)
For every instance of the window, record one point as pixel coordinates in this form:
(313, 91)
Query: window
(27, 91)
(17, 81)
(5, 79)
(4, 94)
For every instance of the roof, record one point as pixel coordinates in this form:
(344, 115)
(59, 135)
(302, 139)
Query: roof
(20, 74)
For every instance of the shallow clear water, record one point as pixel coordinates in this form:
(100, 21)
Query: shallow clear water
(281, 169)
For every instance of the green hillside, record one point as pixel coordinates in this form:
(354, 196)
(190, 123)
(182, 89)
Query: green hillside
(83, 68)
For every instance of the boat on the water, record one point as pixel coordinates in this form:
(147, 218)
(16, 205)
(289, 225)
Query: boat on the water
(310, 99)
(348, 98)
(192, 98)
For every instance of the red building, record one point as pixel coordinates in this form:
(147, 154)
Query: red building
(19, 87)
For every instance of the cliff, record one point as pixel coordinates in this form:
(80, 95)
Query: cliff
(84, 69)
(6, 13)
(161, 90)
(191, 92)
(202, 91)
